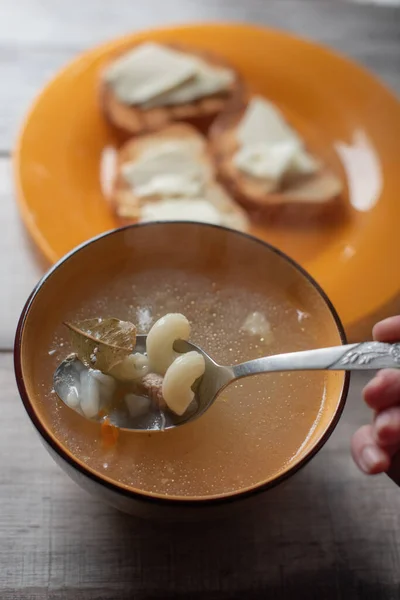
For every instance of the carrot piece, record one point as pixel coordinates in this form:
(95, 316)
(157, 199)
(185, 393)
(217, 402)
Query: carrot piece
(109, 433)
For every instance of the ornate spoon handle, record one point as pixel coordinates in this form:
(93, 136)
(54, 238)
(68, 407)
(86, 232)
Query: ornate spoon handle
(353, 357)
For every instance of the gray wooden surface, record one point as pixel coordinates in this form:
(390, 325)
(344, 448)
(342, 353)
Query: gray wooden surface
(329, 533)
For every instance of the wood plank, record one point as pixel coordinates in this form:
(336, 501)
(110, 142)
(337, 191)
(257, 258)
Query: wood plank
(54, 22)
(33, 49)
(378, 2)
(20, 267)
(26, 71)
(329, 532)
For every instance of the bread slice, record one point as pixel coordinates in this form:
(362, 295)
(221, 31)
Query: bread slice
(127, 205)
(134, 120)
(130, 208)
(303, 195)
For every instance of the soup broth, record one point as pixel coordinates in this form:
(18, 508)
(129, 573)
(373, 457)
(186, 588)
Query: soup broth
(256, 428)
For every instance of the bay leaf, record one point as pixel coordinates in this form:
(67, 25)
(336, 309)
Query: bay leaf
(102, 343)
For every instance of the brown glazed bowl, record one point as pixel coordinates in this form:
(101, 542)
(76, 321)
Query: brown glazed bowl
(216, 252)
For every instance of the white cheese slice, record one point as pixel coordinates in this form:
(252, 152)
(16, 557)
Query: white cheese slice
(188, 146)
(170, 185)
(266, 161)
(304, 164)
(181, 210)
(148, 71)
(208, 80)
(173, 168)
(268, 147)
(167, 165)
(263, 122)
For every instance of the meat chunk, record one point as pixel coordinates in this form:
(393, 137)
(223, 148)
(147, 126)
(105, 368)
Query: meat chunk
(151, 384)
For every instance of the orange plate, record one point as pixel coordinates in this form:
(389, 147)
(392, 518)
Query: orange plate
(334, 104)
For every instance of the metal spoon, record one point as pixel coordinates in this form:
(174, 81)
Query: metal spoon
(353, 357)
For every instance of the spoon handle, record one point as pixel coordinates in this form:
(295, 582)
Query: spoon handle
(353, 357)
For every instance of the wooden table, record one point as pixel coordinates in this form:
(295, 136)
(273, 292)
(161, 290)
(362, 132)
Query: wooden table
(329, 533)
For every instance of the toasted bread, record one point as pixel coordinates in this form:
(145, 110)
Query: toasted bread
(314, 194)
(129, 207)
(135, 120)
(126, 204)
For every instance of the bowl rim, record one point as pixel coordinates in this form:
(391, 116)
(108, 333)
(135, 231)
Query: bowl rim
(148, 497)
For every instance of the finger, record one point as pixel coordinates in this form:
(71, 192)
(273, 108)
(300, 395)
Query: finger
(383, 390)
(369, 457)
(387, 330)
(387, 427)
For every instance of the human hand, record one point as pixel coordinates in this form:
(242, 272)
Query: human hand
(376, 448)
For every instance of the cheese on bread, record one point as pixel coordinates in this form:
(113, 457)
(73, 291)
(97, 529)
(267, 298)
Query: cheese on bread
(151, 75)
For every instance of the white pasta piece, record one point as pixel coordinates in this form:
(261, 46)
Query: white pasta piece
(178, 380)
(132, 367)
(137, 405)
(90, 395)
(161, 338)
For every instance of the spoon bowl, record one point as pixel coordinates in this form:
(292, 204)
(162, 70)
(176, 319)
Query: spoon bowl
(67, 376)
